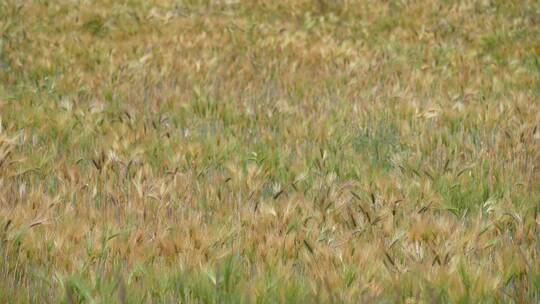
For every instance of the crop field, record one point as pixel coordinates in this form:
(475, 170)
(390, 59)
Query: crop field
(257, 151)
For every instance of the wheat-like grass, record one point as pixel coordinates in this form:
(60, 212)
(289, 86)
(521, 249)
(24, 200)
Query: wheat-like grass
(269, 151)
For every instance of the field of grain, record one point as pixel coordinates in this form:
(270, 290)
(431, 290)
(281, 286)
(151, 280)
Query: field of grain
(291, 151)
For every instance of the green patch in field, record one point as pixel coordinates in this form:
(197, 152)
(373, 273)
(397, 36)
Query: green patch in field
(378, 142)
(95, 25)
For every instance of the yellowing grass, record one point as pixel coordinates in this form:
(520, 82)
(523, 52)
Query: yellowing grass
(269, 151)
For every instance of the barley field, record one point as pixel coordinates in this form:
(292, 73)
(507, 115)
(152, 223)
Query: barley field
(257, 151)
